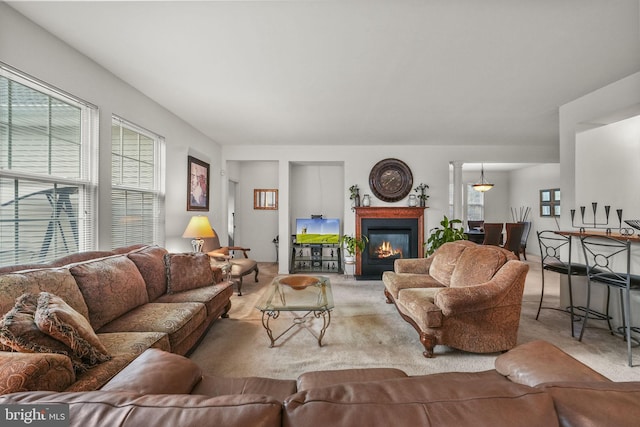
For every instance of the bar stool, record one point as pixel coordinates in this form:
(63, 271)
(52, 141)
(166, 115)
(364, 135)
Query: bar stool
(552, 245)
(599, 253)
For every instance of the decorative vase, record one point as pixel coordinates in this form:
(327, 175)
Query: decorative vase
(423, 203)
(366, 201)
(356, 201)
(413, 200)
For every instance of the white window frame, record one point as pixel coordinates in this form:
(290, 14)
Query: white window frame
(153, 226)
(21, 249)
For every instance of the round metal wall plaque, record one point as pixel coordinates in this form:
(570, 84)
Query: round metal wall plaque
(391, 180)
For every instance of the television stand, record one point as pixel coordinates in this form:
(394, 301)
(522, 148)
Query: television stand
(315, 258)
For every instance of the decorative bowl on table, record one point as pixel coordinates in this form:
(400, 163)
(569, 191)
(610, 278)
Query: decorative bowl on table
(635, 223)
(299, 282)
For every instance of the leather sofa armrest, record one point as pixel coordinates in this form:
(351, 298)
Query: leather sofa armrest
(412, 265)
(157, 372)
(539, 362)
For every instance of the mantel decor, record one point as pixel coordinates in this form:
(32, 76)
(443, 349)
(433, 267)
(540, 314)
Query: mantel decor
(197, 185)
(391, 180)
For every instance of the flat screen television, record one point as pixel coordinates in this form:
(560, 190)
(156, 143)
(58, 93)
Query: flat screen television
(317, 230)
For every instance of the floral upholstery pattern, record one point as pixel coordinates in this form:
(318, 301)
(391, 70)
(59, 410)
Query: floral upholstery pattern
(111, 287)
(187, 271)
(177, 320)
(205, 295)
(57, 319)
(35, 371)
(99, 375)
(134, 342)
(58, 281)
(150, 262)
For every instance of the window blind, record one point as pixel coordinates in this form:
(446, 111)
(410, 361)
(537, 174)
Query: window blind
(137, 194)
(47, 189)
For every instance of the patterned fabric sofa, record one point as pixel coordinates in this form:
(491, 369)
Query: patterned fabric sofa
(464, 295)
(534, 384)
(128, 300)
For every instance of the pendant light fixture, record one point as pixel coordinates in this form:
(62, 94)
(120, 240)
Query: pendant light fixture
(482, 186)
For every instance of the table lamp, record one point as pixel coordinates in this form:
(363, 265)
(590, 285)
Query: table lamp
(198, 228)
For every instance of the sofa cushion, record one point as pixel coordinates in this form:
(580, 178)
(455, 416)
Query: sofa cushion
(395, 282)
(477, 265)
(35, 371)
(418, 305)
(58, 281)
(600, 403)
(177, 320)
(447, 399)
(19, 331)
(57, 319)
(214, 297)
(157, 372)
(187, 271)
(150, 263)
(444, 261)
(317, 379)
(111, 287)
(129, 409)
(220, 386)
(134, 342)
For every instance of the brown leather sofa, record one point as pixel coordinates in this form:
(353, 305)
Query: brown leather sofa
(464, 295)
(133, 298)
(535, 384)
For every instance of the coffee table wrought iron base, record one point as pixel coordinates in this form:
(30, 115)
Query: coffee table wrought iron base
(298, 320)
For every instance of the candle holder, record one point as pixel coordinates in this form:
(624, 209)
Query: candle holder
(595, 224)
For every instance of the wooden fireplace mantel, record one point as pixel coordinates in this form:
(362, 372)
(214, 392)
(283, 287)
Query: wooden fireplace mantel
(392, 212)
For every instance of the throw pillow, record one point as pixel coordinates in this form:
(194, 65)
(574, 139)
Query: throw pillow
(187, 271)
(56, 318)
(19, 332)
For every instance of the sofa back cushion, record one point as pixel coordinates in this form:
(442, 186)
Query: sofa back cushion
(150, 263)
(111, 287)
(187, 271)
(444, 261)
(477, 265)
(447, 399)
(58, 281)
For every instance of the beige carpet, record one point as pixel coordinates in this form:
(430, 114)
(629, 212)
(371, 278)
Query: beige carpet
(367, 332)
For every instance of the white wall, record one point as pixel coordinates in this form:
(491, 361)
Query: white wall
(30, 49)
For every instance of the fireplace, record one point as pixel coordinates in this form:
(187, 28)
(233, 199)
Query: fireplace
(393, 233)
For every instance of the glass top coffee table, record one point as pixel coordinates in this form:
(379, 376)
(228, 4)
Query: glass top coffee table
(310, 295)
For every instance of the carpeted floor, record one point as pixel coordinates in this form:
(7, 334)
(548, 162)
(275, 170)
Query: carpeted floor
(367, 332)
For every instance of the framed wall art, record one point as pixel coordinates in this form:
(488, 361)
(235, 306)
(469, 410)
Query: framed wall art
(265, 198)
(197, 185)
(550, 202)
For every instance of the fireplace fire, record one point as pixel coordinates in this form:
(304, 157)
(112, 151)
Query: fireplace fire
(386, 250)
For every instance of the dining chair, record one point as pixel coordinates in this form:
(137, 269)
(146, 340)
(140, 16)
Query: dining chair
(554, 250)
(475, 225)
(525, 237)
(492, 233)
(601, 253)
(514, 237)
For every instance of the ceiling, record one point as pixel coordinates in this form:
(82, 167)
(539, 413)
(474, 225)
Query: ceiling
(373, 72)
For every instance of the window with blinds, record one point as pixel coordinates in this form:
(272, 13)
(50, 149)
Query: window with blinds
(47, 187)
(137, 193)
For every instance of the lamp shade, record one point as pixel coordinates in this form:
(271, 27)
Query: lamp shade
(482, 186)
(198, 227)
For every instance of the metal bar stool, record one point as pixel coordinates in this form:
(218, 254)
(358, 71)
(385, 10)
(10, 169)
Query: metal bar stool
(599, 253)
(552, 245)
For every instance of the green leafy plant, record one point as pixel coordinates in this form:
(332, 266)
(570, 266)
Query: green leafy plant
(352, 244)
(421, 190)
(355, 191)
(446, 233)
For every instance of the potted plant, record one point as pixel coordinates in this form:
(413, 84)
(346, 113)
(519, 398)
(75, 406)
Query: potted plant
(422, 195)
(447, 233)
(352, 245)
(355, 196)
